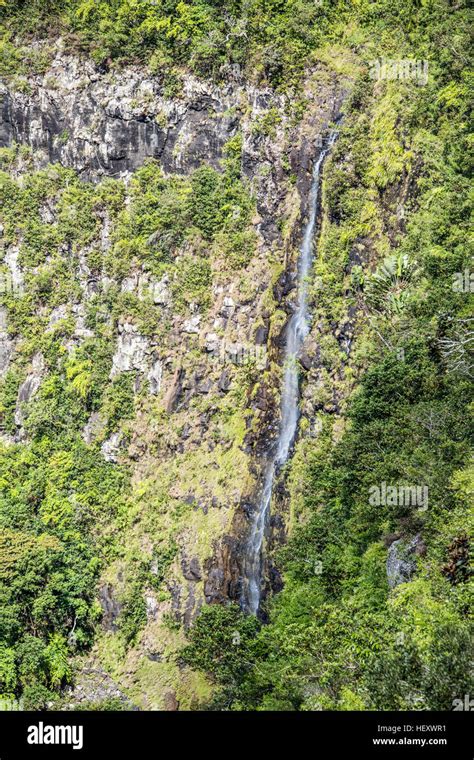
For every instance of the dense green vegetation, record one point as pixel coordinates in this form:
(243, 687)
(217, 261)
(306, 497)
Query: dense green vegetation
(270, 39)
(396, 190)
(61, 514)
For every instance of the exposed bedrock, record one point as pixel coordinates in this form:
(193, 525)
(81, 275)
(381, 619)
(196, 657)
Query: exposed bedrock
(109, 123)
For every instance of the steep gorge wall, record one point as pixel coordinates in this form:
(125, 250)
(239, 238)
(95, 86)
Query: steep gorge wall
(193, 446)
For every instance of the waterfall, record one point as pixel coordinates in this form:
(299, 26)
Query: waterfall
(297, 330)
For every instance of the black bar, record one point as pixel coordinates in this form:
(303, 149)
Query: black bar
(317, 734)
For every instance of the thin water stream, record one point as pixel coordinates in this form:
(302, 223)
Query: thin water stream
(297, 330)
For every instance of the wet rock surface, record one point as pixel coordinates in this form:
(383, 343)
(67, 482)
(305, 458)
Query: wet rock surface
(110, 607)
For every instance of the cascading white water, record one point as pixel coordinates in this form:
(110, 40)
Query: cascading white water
(297, 330)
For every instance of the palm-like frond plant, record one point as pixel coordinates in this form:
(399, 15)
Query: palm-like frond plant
(389, 287)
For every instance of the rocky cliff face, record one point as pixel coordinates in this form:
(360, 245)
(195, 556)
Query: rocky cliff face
(106, 124)
(102, 124)
(205, 377)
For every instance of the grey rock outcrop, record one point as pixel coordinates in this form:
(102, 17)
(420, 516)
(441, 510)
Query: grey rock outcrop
(29, 387)
(93, 687)
(131, 351)
(93, 428)
(16, 275)
(191, 326)
(6, 344)
(155, 376)
(111, 447)
(103, 124)
(401, 560)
